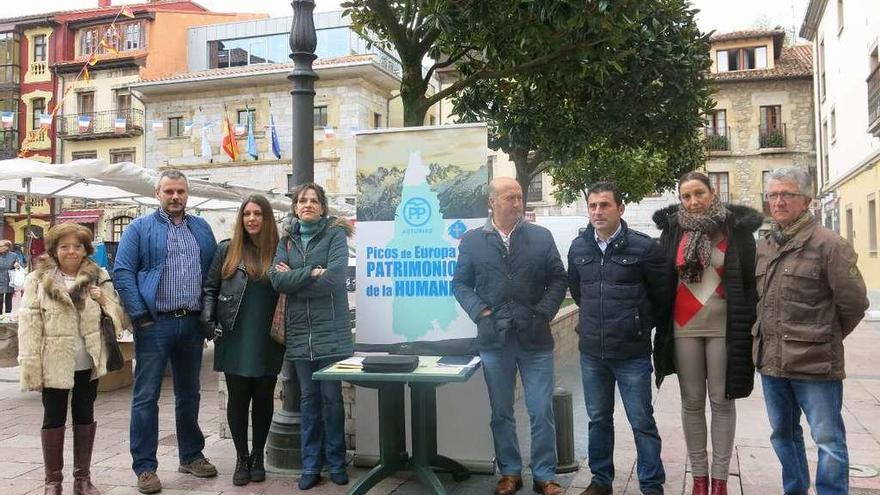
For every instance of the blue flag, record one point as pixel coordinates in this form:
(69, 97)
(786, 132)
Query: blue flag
(276, 146)
(251, 142)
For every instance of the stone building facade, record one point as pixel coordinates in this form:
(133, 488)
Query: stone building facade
(763, 117)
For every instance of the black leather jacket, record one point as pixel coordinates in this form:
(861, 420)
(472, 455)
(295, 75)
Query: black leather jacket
(221, 297)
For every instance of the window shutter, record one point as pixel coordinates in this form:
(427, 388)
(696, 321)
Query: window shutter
(761, 57)
(721, 55)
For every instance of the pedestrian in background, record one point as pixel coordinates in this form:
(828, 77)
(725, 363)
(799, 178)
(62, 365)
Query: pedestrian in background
(707, 339)
(62, 352)
(8, 261)
(811, 296)
(309, 267)
(237, 309)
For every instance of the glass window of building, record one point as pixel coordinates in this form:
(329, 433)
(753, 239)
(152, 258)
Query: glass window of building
(132, 36)
(175, 126)
(40, 48)
(9, 58)
(38, 108)
(85, 102)
(320, 117)
(122, 155)
(117, 226)
(84, 155)
(242, 117)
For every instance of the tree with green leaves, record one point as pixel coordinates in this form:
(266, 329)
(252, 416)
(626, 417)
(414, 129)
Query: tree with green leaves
(554, 80)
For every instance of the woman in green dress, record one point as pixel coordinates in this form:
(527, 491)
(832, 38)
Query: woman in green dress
(237, 309)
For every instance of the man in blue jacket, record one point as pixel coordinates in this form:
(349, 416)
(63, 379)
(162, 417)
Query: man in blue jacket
(616, 276)
(160, 267)
(510, 281)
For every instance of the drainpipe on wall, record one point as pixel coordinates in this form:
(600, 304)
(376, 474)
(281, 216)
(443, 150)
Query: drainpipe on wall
(388, 109)
(138, 98)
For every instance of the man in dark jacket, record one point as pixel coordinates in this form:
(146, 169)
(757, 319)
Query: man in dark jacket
(811, 295)
(617, 277)
(160, 268)
(510, 281)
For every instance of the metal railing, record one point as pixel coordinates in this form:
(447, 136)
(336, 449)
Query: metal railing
(100, 124)
(874, 100)
(771, 136)
(717, 139)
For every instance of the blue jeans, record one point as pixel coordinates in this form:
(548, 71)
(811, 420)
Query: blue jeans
(536, 372)
(181, 341)
(323, 418)
(821, 402)
(633, 377)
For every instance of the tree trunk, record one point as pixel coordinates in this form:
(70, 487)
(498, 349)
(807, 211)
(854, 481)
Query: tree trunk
(412, 94)
(520, 157)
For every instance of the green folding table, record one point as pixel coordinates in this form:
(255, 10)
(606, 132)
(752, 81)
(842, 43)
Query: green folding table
(393, 457)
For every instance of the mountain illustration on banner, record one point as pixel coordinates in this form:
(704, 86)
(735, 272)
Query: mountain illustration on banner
(422, 300)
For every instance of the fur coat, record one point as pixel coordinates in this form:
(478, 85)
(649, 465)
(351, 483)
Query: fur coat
(50, 317)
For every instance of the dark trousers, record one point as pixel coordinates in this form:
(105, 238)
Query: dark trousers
(82, 406)
(6, 302)
(258, 395)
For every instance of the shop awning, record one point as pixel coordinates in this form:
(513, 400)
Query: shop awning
(80, 216)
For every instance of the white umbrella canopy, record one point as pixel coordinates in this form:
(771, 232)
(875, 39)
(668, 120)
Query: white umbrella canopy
(119, 182)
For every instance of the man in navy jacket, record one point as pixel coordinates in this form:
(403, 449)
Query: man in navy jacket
(616, 276)
(160, 267)
(510, 281)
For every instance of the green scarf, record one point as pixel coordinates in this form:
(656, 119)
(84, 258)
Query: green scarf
(307, 230)
(783, 235)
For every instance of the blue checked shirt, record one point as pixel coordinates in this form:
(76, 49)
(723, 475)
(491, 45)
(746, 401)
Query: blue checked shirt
(180, 286)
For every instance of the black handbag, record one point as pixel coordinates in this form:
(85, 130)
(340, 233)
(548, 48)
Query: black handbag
(115, 360)
(390, 364)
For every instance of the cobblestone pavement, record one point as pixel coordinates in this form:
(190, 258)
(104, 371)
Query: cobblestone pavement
(755, 469)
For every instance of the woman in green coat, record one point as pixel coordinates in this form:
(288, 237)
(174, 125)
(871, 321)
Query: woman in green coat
(309, 267)
(237, 309)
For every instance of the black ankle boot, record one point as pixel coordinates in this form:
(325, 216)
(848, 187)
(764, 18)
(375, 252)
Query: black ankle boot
(258, 472)
(242, 474)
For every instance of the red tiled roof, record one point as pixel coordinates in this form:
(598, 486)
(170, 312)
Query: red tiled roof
(794, 62)
(258, 68)
(746, 34)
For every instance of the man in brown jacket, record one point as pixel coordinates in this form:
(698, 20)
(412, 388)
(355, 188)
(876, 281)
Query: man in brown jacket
(811, 296)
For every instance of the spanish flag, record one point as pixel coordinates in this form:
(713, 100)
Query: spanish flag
(108, 47)
(228, 144)
(85, 74)
(126, 12)
(93, 59)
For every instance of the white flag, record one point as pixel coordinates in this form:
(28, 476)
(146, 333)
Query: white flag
(206, 143)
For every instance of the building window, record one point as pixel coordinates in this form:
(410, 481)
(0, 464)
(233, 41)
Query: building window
(716, 131)
(123, 101)
(850, 231)
(536, 189)
(88, 41)
(377, 120)
(721, 185)
(175, 126)
(242, 117)
(872, 226)
(40, 48)
(833, 120)
(38, 108)
(772, 131)
(320, 117)
(9, 58)
(826, 167)
(122, 155)
(117, 226)
(132, 36)
(84, 155)
(741, 59)
(85, 102)
(820, 65)
(432, 120)
(490, 167)
(839, 16)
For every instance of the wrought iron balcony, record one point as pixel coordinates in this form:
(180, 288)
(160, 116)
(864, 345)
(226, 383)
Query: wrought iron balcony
(717, 139)
(771, 136)
(874, 102)
(100, 125)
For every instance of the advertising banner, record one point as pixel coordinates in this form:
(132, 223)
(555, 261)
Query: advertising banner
(419, 190)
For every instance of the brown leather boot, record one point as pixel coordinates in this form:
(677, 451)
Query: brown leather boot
(550, 487)
(508, 485)
(719, 487)
(83, 441)
(53, 458)
(701, 485)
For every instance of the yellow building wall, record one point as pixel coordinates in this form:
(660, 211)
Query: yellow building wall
(856, 193)
(103, 83)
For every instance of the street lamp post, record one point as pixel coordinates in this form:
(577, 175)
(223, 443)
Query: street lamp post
(283, 452)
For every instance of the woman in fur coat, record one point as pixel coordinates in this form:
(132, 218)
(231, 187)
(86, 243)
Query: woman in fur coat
(61, 348)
